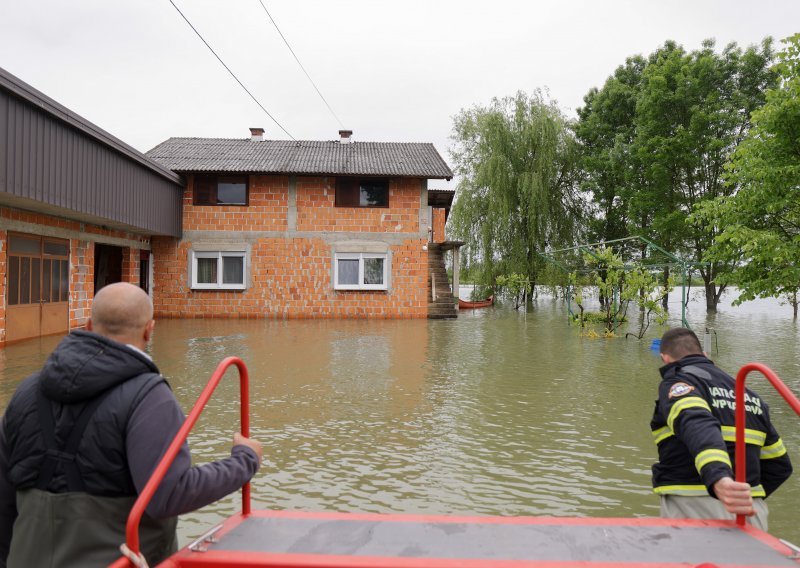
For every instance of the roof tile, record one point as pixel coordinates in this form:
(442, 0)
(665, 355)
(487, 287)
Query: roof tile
(301, 157)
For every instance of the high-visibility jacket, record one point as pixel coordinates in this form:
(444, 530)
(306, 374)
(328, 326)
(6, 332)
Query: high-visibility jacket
(693, 426)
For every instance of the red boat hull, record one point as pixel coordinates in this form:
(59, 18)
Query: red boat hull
(465, 305)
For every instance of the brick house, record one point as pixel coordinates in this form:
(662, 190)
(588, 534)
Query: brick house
(212, 228)
(309, 229)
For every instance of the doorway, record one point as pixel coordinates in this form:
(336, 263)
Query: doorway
(107, 265)
(144, 270)
(38, 286)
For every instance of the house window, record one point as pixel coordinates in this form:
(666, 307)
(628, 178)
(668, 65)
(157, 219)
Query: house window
(361, 271)
(364, 192)
(219, 270)
(220, 190)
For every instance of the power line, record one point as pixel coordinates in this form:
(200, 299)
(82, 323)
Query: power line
(231, 72)
(300, 64)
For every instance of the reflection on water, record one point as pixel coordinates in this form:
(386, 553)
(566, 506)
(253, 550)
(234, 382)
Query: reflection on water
(497, 412)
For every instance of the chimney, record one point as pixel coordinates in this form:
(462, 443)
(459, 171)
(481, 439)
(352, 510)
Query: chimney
(345, 136)
(257, 134)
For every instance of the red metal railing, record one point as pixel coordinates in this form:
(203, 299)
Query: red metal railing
(741, 419)
(132, 528)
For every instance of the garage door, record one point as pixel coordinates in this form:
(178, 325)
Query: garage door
(38, 286)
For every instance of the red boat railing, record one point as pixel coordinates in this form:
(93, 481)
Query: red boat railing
(135, 516)
(741, 417)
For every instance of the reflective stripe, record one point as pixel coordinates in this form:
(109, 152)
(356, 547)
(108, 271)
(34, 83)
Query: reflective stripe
(754, 437)
(699, 490)
(686, 490)
(707, 456)
(775, 450)
(683, 404)
(662, 434)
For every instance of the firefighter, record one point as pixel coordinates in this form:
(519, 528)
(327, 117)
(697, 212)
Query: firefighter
(693, 426)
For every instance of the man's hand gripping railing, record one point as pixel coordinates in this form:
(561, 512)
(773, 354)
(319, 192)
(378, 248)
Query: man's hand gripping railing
(132, 528)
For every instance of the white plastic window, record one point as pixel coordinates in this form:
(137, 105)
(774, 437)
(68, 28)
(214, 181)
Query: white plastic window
(219, 270)
(361, 271)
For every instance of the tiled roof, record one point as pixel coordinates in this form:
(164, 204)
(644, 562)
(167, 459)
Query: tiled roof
(301, 157)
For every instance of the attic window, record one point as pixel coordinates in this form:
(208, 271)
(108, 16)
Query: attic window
(362, 192)
(220, 190)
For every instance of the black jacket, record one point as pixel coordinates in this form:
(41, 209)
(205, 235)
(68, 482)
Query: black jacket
(694, 427)
(84, 366)
(135, 421)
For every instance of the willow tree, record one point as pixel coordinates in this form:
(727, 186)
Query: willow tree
(517, 161)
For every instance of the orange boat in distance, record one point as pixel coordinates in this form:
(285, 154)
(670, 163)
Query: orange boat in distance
(465, 305)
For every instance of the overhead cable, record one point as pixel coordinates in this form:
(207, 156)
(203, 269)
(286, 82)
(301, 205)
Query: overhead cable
(231, 72)
(300, 64)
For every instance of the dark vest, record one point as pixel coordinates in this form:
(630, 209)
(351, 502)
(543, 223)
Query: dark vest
(101, 456)
(56, 525)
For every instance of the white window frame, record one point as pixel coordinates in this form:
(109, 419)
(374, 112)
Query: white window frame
(219, 255)
(360, 256)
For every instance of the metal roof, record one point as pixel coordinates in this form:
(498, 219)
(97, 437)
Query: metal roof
(35, 97)
(400, 159)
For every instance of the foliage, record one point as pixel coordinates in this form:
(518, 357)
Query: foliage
(594, 317)
(606, 130)
(623, 285)
(518, 164)
(759, 226)
(516, 285)
(655, 139)
(480, 292)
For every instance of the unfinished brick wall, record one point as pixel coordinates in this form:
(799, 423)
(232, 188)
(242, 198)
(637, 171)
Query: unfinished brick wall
(291, 276)
(267, 209)
(130, 265)
(316, 209)
(439, 222)
(81, 284)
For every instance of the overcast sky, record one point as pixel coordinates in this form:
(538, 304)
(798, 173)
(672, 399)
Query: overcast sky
(391, 71)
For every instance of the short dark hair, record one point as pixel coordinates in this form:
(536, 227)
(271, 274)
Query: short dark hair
(679, 342)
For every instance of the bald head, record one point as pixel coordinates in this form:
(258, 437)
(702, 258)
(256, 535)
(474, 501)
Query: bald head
(122, 312)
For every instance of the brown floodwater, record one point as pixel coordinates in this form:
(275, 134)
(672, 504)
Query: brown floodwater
(496, 413)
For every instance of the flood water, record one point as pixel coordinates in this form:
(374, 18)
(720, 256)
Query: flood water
(496, 413)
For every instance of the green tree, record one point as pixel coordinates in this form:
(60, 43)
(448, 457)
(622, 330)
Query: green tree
(655, 140)
(692, 111)
(623, 285)
(759, 226)
(606, 129)
(516, 286)
(517, 160)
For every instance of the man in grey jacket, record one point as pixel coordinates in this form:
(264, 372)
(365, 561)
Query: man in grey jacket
(80, 439)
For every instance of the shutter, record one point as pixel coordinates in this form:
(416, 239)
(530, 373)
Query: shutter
(205, 190)
(348, 192)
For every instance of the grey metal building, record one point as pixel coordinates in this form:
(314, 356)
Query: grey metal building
(77, 210)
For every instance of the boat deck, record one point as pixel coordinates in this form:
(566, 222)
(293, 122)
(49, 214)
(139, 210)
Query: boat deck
(314, 540)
